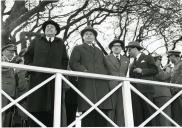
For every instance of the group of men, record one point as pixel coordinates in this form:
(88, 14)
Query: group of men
(50, 51)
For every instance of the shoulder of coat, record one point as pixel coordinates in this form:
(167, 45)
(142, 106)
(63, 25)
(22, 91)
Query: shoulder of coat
(109, 55)
(58, 38)
(180, 64)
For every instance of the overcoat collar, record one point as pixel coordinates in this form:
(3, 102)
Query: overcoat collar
(91, 50)
(44, 38)
(115, 61)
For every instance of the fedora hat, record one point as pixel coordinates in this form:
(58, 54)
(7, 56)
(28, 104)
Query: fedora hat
(89, 28)
(53, 23)
(134, 44)
(173, 52)
(9, 47)
(116, 41)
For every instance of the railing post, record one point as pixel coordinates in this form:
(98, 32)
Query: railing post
(57, 101)
(127, 104)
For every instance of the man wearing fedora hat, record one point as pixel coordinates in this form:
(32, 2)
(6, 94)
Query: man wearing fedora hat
(46, 51)
(143, 67)
(117, 65)
(176, 77)
(8, 83)
(88, 58)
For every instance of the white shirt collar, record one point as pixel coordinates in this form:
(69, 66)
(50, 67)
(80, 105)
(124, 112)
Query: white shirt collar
(52, 38)
(137, 57)
(117, 55)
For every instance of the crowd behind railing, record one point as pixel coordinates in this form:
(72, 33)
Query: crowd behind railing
(50, 51)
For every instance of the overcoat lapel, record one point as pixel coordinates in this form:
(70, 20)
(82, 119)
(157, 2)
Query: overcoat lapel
(114, 61)
(88, 48)
(140, 58)
(123, 62)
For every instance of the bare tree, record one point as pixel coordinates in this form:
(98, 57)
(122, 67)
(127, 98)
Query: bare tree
(147, 18)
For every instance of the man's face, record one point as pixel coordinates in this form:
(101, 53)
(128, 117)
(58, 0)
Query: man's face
(116, 48)
(132, 52)
(50, 30)
(88, 37)
(9, 54)
(172, 58)
(158, 61)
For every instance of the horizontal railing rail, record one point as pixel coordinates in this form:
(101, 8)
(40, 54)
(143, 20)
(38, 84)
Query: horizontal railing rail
(87, 75)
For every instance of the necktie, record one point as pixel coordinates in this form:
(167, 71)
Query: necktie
(91, 45)
(135, 59)
(117, 57)
(49, 40)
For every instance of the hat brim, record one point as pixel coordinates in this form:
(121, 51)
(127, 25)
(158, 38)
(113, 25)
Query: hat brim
(58, 29)
(116, 41)
(173, 52)
(91, 30)
(176, 54)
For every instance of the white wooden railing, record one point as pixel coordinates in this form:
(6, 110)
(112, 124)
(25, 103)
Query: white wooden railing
(58, 75)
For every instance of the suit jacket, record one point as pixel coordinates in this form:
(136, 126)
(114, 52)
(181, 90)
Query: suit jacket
(162, 90)
(149, 70)
(86, 58)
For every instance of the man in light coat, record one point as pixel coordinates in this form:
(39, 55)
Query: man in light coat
(117, 65)
(88, 58)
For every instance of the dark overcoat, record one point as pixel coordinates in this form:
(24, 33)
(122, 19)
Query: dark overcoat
(85, 57)
(161, 96)
(117, 69)
(8, 84)
(45, 54)
(162, 90)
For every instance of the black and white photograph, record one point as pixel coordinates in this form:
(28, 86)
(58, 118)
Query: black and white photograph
(91, 63)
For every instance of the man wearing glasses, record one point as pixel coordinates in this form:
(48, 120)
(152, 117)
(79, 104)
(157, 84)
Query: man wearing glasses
(117, 65)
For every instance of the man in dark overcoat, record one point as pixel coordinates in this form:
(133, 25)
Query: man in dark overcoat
(143, 67)
(46, 51)
(88, 58)
(117, 65)
(176, 77)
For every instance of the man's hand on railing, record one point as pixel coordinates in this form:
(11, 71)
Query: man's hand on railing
(137, 70)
